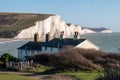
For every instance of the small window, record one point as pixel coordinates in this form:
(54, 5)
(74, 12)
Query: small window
(32, 51)
(51, 48)
(20, 51)
(45, 48)
(26, 51)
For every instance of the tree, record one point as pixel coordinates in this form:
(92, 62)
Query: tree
(7, 57)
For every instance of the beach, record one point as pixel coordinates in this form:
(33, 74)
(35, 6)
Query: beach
(5, 39)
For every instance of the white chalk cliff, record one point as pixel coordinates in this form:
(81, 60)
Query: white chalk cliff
(54, 25)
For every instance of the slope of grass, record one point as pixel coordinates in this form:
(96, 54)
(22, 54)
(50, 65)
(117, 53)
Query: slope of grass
(83, 75)
(4, 76)
(12, 23)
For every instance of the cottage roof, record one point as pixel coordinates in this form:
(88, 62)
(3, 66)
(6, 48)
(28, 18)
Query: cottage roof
(56, 42)
(32, 46)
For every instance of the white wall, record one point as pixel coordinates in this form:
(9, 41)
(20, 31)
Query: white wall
(23, 53)
(49, 50)
(87, 45)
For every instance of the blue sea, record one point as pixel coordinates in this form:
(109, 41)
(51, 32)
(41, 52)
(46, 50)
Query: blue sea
(108, 42)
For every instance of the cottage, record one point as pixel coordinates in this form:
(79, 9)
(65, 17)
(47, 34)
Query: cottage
(53, 46)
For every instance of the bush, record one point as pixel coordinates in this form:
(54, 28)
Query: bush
(1, 64)
(71, 60)
(78, 59)
(110, 74)
(45, 59)
(7, 57)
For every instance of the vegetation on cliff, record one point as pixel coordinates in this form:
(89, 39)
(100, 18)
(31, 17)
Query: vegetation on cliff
(12, 23)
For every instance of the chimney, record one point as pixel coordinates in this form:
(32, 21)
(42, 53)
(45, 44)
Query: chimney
(47, 37)
(36, 37)
(76, 36)
(61, 35)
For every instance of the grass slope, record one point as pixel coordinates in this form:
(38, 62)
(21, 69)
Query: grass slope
(12, 23)
(84, 75)
(5, 76)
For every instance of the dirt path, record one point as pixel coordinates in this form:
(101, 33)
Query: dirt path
(43, 77)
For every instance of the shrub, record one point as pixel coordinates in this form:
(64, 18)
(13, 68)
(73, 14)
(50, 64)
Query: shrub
(74, 60)
(110, 74)
(1, 64)
(7, 57)
(71, 60)
(78, 59)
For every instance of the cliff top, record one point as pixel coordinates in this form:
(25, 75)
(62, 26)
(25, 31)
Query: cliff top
(14, 22)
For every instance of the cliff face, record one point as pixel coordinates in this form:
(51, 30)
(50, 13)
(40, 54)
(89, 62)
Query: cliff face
(55, 26)
(52, 24)
(25, 25)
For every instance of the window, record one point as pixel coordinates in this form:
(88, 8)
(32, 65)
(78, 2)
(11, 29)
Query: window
(20, 51)
(45, 48)
(51, 48)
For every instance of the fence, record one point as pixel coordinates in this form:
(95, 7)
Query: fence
(19, 65)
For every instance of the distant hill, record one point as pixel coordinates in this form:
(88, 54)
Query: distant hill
(25, 25)
(12, 23)
(96, 30)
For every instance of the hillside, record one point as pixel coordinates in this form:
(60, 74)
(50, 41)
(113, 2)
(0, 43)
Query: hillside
(25, 25)
(12, 23)
(96, 30)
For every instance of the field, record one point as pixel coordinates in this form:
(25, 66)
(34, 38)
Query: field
(79, 75)
(5, 76)
(84, 75)
(79, 63)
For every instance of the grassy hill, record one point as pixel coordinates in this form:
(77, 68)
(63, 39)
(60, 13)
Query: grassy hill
(12, 23)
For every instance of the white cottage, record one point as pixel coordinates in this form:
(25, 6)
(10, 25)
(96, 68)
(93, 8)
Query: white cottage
(53, 46)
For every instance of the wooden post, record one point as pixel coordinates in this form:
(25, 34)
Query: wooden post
(28, 64)
(21, 66)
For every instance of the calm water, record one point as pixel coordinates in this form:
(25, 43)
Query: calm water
(11, 47)
(107, 42)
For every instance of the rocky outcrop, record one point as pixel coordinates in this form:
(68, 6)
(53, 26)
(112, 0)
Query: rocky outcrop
(52, 24)
(25, 25)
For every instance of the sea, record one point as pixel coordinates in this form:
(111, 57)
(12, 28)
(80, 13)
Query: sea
(108, 42)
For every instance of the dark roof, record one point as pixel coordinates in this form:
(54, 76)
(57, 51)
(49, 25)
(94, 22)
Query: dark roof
(32, 46)
(56, 42)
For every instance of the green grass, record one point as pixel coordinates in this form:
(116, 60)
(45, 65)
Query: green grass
(24, 22)
(39, 70)
(5, 76)
(83, 75)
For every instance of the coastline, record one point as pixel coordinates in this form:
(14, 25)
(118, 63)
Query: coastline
(5, 39)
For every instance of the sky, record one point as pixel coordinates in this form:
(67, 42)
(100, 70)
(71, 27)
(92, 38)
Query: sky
(86, 13)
